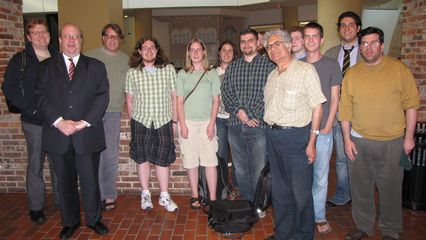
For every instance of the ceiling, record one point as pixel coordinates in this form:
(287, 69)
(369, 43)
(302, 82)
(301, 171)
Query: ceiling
(38, 6)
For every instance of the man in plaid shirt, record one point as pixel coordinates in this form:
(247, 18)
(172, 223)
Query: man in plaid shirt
(242, 95)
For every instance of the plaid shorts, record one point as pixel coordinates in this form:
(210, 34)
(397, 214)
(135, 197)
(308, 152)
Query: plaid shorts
(156, 146)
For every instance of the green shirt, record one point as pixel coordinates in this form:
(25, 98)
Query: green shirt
(116, 67)
(198, 106)
(152, 95)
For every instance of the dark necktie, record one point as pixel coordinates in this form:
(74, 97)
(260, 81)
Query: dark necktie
(71, 69)
(346, 60)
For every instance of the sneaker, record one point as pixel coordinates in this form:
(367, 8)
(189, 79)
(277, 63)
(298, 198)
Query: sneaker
(167, 202)
(146, 203)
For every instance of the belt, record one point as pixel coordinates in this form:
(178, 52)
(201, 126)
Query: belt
(275, 126)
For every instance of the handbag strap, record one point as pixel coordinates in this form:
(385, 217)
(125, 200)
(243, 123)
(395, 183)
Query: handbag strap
(189, 94)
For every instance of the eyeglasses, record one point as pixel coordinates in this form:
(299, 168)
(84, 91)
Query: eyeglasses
(298, 38)
(111, 36)
(194, 50)
(374, 43)
(249, 41)
(71, 36)
(38, 33)
(149, 48)
(274, 44)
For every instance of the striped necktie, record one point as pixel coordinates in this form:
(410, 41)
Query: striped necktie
(346, 60)
(71, 69)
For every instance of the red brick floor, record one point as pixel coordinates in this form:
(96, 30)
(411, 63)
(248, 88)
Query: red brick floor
(128, 221)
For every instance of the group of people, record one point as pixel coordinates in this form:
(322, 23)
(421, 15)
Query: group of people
(376, 113)
(281, 102)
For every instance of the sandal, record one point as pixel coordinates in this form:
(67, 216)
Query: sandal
(108, 206)
(195, 200)
(323, 228)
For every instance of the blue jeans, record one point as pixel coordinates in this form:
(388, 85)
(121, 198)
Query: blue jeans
(222, 135)
(321, 167)
(248, 148)
(342, 194)
(108, 165)
(292, 178)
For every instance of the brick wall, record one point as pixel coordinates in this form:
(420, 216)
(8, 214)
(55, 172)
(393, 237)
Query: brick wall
(414, 45)
(12, 142)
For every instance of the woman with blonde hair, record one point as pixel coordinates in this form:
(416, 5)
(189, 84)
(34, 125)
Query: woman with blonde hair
(198, 90)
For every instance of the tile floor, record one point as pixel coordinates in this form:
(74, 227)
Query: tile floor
(128, 221)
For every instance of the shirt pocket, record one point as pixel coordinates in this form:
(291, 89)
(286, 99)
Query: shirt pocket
(289, 100)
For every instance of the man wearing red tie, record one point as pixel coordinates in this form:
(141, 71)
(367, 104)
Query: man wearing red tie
(72, 93)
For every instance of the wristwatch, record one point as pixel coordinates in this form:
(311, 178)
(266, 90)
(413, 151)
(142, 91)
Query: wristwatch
(315, 131)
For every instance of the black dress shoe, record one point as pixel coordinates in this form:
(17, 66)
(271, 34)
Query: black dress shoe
(67, 232)
(357, 235)
(99, 228)
(37, 217)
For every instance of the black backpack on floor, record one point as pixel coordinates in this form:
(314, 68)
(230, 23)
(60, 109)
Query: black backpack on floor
(231, 217)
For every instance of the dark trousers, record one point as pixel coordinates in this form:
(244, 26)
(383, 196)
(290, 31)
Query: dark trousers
(292, 178)
(376, 166)
(71, 167)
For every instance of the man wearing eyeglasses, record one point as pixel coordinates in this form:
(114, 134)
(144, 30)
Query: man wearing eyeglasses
(36, 50)
(378, 112)
(116, 63)
(346, 54)
(72, 92)
(293, 109)
(242, 95)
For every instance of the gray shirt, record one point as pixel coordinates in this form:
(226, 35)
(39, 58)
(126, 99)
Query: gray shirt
(330, 75)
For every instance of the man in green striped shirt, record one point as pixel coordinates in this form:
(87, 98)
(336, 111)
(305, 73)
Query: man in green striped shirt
(151, 105)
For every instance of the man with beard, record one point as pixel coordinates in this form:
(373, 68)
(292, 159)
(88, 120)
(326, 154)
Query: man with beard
(378, 112)
(242, 95)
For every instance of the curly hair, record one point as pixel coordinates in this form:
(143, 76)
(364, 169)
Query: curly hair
(136, 60)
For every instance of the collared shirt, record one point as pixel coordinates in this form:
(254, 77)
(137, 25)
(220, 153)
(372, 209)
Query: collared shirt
(353, 55)
(291, 96)
(67, 61)
(242, 87)
(152, 101)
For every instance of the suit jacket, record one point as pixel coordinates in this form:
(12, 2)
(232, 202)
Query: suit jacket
(84, 98)
(333, 53)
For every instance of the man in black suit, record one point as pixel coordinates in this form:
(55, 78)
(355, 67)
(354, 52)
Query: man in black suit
(72, 93)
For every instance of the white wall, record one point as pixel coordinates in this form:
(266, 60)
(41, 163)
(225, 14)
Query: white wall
(383, 19)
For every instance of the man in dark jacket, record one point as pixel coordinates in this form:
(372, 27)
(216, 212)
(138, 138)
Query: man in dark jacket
(23, 97)
(72, 94)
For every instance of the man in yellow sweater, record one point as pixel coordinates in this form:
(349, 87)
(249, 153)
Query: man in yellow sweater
(378, 112)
